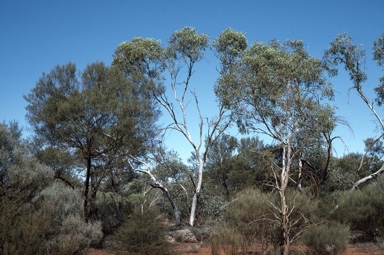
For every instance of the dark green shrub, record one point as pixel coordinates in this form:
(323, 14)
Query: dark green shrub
(111, 213)
(141, 234)
(328, 238)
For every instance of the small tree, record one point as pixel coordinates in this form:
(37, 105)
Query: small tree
(276, 90)
(96, 118)
(147, 59)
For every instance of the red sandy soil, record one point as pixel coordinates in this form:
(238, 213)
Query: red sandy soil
(205, 249)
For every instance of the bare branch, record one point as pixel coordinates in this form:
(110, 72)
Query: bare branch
(368, 150)
(369, 177)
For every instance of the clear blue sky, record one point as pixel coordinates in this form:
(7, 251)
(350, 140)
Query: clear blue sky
(36, 35)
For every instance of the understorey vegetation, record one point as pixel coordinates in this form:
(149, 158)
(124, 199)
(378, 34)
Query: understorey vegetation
(96, 171)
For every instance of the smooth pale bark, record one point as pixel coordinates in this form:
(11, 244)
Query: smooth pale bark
(197, 192)
(283, 188)
(156, 184)
(299, 179)
(367, 178)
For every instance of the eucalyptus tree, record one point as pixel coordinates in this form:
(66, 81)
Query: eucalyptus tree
(276, 89)
(161, 65)
(98, 118)
(343, 51)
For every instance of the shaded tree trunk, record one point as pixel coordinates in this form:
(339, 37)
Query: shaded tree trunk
(170, 199)
(86, 189)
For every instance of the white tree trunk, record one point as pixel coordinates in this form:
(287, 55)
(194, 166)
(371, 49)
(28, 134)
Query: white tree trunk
(197, 191)
(283, 189)
(193, 210)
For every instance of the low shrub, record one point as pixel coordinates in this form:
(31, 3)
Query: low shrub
(363, 210)
(253, 215)
(225, 239)
(70, 233)
(328, 238)
(50, 223)
(141, 234)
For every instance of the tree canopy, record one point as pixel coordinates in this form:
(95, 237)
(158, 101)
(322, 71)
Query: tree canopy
(99, 118)
(98, 163)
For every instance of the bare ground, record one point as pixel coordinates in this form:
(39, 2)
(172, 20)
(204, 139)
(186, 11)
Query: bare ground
(205, 249)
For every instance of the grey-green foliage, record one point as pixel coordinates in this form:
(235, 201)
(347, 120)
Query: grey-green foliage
(273, 76)
(229, 47)
(343, 173)
(343, 51)
(50, 223)
(71, 233)
(141, 59)
(378, 50)
(37, 216)
(378, 55)
(234, 165)
(188, 45)
(24, 225)
(22, 176)
(9, 137)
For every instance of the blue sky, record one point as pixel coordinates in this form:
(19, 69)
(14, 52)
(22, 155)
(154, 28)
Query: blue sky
(36, 35)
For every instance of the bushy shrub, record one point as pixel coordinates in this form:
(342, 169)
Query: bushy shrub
(37, 215)
(23, 229)
(328, 238)
(25, 225)
(363, 210)
(141, 234)
(253, 216)
(111, 213)
(49, 224)
(210, 207)
(226, 239)
(71, 233)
